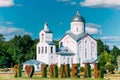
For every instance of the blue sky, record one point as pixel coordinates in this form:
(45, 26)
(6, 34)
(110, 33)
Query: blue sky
(28, 17)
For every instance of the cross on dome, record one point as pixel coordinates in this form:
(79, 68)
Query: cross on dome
(77, 18)
(77, 13)
(46, 27)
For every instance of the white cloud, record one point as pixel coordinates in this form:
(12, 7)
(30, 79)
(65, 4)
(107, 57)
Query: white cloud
(111, 41)
(71, 2)
(63, 0)
(12, 31)
(9, 23)
(101, 3)
(19, 5)
(6, 3)
(111, 38)
(92, 28)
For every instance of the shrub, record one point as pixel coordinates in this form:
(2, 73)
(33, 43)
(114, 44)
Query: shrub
(109, 67)
(81, 69)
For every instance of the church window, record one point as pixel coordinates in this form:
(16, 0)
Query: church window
(51, 49)
(45, 49)
(79, 60)
(39, 50)
(85, 53)
(37, 67)
(77, 29)
(42, 49)
(85, 49)
(61, 44)
(68, 60)
(71, 60)
(93, 49)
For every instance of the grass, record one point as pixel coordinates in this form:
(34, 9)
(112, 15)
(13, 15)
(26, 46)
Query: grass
(38, 77)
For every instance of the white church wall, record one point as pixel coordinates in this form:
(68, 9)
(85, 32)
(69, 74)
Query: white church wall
(89, 49)
(67, 41)
(42, 56)
(65, 59)
(77, 27)
(48, 36)
(41, 37)
(53, 59)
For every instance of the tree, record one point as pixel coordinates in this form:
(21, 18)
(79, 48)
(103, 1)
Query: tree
(56, 43)
(105, 58)
(22, 48)
(1, 38)
(15, 49)
(5, 58)
(109, 67)
(100, 46)
(115, 52)
(106, 48)
(118, 61)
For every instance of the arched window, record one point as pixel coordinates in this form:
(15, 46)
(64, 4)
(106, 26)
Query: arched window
(85, 53)
(77, 29)
(45, 49)
(51, 49)
(71, 61)
(38, 50)
(79, 60)
(67, 60)
(85, 49)
(61, 44)
(42, 49)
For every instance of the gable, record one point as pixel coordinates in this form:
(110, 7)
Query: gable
(89, 39)
(67, 38)
(75, 37)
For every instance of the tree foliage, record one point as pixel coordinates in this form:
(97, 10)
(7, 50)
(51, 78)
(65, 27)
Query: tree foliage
(100, 46)
(105, 58)
(109, 67)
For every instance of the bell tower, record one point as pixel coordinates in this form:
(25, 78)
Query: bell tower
(45, 34)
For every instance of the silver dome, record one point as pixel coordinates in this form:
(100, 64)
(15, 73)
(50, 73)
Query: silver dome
(78, 18)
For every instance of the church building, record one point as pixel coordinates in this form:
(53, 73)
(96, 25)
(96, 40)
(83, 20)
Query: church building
(76, 46)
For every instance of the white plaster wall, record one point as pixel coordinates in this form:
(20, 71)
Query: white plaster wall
(90, 52)
(44, 57)
(63, 59)
(77, 26)
(48, 36)
(53, 59)
(67, 41)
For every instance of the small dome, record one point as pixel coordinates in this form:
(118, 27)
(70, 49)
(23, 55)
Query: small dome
(78, 18)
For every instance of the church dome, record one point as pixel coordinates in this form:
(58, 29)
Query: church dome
(78, 18)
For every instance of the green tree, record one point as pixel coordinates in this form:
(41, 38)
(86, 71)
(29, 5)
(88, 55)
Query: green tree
(118, 61)
(105, 58)
(56, 43)
(115, 52)
(22, 48)
(110, 67)
(100, 46)
(5, 58)
(15, 49)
